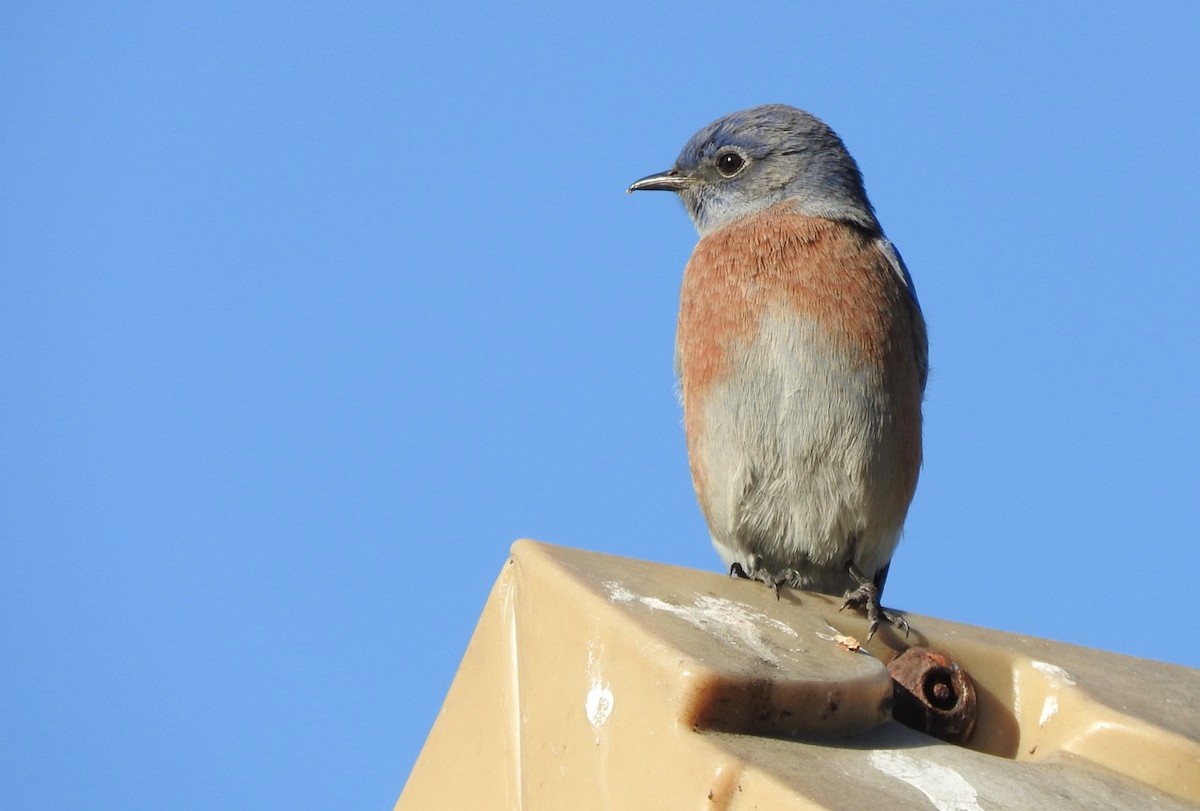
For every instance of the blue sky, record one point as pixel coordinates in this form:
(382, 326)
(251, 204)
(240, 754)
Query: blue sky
(308, 310)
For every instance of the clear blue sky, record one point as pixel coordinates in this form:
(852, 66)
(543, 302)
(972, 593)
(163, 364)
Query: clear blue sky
(308, 310)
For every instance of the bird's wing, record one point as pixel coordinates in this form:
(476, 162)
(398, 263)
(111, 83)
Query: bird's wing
(920, 339)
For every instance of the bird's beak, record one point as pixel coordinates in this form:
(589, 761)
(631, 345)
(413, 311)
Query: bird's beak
(670, 180)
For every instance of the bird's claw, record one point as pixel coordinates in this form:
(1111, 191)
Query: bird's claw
(775, 581)
(866, 597)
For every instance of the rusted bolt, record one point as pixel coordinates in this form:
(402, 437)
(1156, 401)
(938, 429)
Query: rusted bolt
(933, 694)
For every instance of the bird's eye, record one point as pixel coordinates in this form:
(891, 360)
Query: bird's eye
(730, 163)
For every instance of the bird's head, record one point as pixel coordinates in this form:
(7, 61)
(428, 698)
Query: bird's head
(753, 159)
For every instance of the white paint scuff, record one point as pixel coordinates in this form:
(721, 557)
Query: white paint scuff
(946, 789)
(1058, 678)
(599, 702)
(732, 622)
(1049, 710)
(1053, 672)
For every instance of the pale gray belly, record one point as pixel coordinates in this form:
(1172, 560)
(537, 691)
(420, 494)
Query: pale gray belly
(800, 459)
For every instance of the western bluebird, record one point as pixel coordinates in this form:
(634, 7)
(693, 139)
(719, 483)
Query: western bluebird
(801, 356)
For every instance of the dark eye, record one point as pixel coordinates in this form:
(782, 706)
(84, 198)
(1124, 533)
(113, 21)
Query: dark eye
(730, 163)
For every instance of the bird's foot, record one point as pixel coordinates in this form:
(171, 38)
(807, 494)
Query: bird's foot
(866, 596)
(776, 580)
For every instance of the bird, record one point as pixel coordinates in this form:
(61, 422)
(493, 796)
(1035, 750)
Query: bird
(801, 356)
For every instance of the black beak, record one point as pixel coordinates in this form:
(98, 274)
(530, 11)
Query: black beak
(670, 180)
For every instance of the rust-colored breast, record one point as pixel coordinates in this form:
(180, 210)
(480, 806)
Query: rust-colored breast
(830, 274)
(826, 271)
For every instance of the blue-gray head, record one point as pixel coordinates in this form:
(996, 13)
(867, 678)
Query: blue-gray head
(755, 158)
